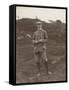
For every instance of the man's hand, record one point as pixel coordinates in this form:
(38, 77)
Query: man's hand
(35, 41)
(43, 40)
(40, 41)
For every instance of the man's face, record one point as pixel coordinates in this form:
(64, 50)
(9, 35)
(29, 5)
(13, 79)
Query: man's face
(39, 26)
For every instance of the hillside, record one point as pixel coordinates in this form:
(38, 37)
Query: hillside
(55, 30)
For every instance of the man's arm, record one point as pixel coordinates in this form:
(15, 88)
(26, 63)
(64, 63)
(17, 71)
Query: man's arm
(34, 41)
(45, 38)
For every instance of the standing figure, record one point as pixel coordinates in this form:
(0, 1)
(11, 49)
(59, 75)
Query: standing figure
(40, 39)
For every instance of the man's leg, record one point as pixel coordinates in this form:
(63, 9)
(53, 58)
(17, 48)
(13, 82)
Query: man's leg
(45, 60)
(37, 58)
(46, 66)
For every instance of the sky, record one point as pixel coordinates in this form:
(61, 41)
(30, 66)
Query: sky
(44, 14)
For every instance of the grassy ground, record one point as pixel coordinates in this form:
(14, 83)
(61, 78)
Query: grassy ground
(26, 71)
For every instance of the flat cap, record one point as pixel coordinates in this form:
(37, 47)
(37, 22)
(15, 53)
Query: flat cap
(38, 22)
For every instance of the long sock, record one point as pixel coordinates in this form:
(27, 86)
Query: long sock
(38, 67)
(46, 66)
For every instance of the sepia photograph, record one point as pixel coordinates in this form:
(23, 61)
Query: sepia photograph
(40, 44)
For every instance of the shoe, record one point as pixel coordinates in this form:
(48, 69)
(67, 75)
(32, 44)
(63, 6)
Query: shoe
(38, 74)
(49, 73)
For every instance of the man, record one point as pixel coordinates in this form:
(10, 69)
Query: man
(40, 38)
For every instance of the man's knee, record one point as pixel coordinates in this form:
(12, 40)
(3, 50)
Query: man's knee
(46, 60)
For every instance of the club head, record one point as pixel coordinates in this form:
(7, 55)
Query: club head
(28, 35)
